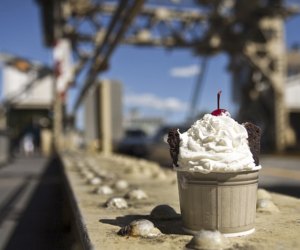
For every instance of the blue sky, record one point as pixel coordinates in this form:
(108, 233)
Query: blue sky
(146, 72)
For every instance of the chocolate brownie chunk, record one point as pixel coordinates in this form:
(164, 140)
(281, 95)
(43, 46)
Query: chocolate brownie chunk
(254, 134)
(174, 140)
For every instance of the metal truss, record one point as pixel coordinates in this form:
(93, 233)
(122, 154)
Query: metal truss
(207, 27)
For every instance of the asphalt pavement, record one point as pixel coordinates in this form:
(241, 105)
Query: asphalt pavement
(280, 174)
(31, 204)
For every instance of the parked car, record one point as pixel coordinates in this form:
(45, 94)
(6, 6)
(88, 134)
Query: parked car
(154, 148)
(158, 148)
(134, 142)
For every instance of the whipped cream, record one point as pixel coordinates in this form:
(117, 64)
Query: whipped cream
(215, 144)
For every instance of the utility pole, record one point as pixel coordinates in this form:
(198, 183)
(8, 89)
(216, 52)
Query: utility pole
(105, 126)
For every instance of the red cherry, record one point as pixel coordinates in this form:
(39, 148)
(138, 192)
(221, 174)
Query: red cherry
(218, 112)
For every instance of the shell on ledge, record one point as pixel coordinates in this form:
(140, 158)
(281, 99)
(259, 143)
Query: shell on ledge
(88, 175)
(106, 174)
(121, 185)
(95, 181)
(159, 175)
(267, 206)
(142, 228)
(263, 194)
(104, 190)
(116, 202)
(136, 194)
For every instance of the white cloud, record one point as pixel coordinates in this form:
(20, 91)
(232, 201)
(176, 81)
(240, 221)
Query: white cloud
(185, 72)
(152, 101)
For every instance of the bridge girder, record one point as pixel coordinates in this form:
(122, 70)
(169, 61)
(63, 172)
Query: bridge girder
(206, 27)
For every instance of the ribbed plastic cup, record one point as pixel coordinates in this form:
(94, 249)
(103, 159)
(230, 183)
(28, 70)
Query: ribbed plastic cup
(218, 201)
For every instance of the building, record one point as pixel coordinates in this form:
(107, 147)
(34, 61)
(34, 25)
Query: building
(103, 115)
(27, 97)
(148, 124)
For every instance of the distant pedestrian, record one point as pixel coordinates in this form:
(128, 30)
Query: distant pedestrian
(28, 144)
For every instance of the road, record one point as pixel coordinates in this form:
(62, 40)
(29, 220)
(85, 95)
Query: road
(281, 174)
(30, 204)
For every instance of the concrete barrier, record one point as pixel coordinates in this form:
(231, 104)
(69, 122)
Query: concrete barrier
(97, 226)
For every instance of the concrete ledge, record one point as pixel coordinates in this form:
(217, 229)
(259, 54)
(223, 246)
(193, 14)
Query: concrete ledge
(76, 217)
(97, 225)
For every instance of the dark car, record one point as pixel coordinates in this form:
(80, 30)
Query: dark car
(154, 148)
(134, 142)
(158, 148)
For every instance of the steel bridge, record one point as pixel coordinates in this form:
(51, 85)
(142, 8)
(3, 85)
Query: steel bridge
(250, 32)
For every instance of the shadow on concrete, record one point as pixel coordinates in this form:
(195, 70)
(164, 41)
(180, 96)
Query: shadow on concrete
(172, 226)
(41, 224)
(291, 190)
(8, 205)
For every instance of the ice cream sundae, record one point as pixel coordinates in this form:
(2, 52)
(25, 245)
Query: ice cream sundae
(216, 143)
(217, 168)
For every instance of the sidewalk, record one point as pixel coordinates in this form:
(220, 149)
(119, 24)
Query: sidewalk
(30, 204)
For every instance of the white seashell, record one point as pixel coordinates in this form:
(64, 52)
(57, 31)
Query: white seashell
(121, 185)
(109, 176)
(89, 175)
(164, 212)
(142, 228)
(208, 240)
(160, 175)
(116, 202)
(136, 194)
(102, 172)
(145, 172)
(263, 194)
(95, 181)
(92, 163)
(130, 170)
(173, 181)
(104, 190)
(83, 171)
(68, 162)
(268, 206)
